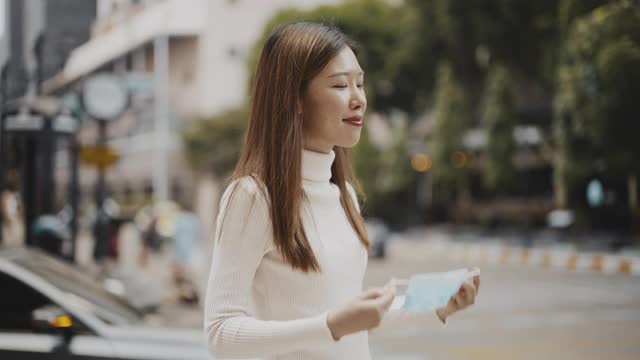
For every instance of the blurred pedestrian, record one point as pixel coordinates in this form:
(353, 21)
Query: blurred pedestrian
(151, 241)
(186, 237)
(11, 211)
(50, 233)
(291, 247)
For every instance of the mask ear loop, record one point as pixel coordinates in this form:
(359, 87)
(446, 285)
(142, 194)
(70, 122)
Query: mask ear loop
(397, 282)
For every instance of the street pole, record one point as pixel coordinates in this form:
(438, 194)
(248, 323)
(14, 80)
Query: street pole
(73, 190)
(105, 98)
(101, 224)
(160, 179)
(33, 30)
(3, 93)
(5, 55)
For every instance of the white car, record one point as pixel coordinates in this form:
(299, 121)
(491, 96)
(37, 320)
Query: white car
(51, 310)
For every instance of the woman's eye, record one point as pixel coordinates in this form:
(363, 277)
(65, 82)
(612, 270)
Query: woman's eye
(360, 85)
(340, 86)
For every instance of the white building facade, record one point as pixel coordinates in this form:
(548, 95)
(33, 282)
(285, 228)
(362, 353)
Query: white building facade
(208, 42)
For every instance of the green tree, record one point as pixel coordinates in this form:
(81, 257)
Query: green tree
(381, 33)
(384, 172)
(472, 34)
(498, 118)
(446, 140)
(599, 82)
(212, 145)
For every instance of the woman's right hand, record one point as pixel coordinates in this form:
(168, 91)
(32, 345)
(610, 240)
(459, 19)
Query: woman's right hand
(364, 312)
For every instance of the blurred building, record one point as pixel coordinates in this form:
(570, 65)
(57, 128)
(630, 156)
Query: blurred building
(207, 44)
(58, 27)
(36, 37)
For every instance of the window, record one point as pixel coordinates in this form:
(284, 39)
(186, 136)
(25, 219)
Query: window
(17, 303)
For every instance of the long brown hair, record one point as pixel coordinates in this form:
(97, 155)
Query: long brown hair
(272, 153)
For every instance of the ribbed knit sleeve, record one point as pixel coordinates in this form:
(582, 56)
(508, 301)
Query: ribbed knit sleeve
(243, 236)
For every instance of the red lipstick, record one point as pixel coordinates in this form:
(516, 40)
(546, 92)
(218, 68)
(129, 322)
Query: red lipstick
(354, 120)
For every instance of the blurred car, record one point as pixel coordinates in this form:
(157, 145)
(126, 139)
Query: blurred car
(379, 234)
(51, 310)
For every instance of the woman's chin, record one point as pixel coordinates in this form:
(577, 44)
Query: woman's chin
(351, 142)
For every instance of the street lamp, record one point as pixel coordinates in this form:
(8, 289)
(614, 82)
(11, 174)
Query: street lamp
(105, 98)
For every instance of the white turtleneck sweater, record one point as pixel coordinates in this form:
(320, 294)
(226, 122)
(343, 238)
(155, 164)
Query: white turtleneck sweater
(257, 306)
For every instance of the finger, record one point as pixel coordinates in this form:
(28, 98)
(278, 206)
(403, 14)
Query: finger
(475, 271)
(451, 305)
(469, 292)
(462, 301)
(455, 303)
(384, 302)
(373, 293)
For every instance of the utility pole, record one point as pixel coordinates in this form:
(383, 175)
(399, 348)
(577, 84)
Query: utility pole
(33, 29)
(102, 218)
(4, 68)
(160, 179)
(105, 98)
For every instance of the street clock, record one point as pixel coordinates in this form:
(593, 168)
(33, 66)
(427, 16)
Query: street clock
(104, 96)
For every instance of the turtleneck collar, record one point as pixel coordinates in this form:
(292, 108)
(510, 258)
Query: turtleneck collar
(317, 166)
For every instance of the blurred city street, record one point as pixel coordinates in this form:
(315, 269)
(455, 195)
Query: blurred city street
(521, 313)
(499, 134)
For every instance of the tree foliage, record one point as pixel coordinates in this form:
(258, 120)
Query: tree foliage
(451, 120)
(381, 31)
(212, 145)
(461, 58)
(498, 118)
(595, 106)
(382, 171)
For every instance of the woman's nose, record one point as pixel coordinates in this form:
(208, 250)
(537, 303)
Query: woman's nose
(358, 100)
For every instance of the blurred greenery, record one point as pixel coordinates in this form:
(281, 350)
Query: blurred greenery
(382, 32)
(387, 173)
(475, 64)
(595, 120)
(451, 120)
(498, 117)
(212, 145)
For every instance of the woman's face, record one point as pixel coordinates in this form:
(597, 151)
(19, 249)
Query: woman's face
(334, 103)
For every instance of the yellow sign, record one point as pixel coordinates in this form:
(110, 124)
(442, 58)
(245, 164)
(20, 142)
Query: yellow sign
(101, 156)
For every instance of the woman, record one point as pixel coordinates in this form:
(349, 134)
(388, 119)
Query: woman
(290, 245)
(11, 212)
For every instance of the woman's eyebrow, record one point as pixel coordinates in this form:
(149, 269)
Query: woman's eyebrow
(345, 73)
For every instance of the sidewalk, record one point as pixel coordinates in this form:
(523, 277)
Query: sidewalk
(438, 242)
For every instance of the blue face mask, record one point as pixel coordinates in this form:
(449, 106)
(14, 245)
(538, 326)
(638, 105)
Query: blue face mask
(430, 291)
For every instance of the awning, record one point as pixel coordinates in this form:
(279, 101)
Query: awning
(168, 18)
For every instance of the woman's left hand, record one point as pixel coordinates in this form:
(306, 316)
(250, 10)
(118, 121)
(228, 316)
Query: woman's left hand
(464, 298)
